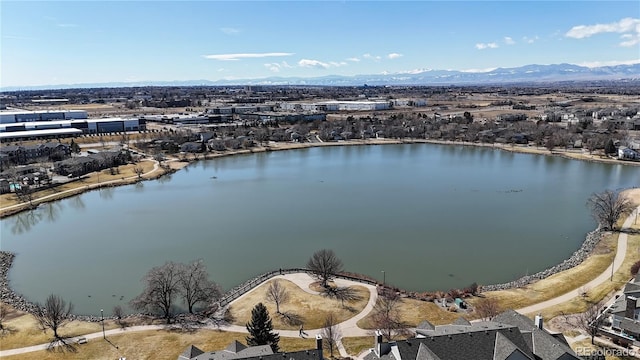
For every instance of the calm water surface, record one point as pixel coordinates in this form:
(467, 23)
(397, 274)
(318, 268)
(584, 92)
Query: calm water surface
(431, 216)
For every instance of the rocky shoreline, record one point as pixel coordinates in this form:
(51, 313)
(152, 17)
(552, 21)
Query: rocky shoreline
(17, 301)
(591, 240)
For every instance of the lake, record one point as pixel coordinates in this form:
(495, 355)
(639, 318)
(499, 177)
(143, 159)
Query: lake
(430, 216)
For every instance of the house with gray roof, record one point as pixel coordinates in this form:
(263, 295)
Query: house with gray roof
(625, 311)
(239, 351)
(509, 335)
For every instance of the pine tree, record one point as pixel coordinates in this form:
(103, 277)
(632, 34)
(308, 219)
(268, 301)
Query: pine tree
(260, 329)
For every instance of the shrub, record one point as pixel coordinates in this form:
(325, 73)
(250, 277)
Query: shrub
(635, 267)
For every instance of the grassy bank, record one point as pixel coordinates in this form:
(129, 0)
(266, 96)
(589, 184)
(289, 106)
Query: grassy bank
(309, 309)
(156, 345)
(560, 283)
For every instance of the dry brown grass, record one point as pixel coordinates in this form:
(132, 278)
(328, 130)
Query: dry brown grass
(597, 294)
(311, 309)
(412, 312)
(81, 185)
(559, 283)
(157, 344)
(633, 195)
(357, 344)
(26, 331)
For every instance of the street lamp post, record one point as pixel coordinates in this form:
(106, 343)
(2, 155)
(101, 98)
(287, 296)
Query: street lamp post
(102, 316)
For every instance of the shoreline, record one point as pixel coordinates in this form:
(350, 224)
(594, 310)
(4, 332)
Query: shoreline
(176, 165)
(592, 238)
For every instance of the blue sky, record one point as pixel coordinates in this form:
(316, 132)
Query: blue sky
(68, 42)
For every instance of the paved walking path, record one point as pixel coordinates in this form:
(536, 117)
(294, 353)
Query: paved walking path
(86, 187)
(600, 279)
(349, 328)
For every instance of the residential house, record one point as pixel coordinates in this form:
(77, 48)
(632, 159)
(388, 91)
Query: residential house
(192, 147)
(236, 351)
(625, 311)
(625, 153)
(22, 154)
(509, 335)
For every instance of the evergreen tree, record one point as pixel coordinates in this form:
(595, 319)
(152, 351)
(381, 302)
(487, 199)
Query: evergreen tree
(75, 148)
(609, 147)
(260, 328)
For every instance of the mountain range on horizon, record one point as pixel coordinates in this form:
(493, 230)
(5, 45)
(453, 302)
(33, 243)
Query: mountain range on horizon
(499, 76)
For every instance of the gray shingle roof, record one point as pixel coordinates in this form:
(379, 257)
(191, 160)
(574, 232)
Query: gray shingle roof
(425, 325)
(505, 349)
(425, 354)
(630, 325)
(461, 321)
(545, 346)
(190, 352)
(235, 347)
(249, 352)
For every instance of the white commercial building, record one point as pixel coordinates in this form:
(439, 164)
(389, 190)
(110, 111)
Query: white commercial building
(354, 105)
(20, 116)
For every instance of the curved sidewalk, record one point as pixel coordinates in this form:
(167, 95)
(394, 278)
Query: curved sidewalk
(347, 328)
(600, 279)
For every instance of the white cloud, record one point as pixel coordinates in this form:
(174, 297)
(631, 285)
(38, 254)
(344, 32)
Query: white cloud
(230, 57)
(371, 57)
(337, 64)
(394, 56)
(67, 25)
(623, 26)
(482, 46)
(313, 63)
(229, 30)
(630, 40)
(628, 27)
(593, 64)
(529, 40)
(275, 67)
(354, 59)
(508, 40)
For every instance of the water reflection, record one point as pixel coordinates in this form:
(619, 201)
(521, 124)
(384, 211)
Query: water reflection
(51, 210)
(106, 193)
(138, 187)
(24, 221)
(165, 178)
(77, 202)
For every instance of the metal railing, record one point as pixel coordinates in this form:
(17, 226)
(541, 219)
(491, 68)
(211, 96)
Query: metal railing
(245, 287)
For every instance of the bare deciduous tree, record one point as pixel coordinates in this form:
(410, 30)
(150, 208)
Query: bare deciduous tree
(590, 320)
(195, 285)
(138, 170)
(386, 316)
(162, 286)
(330, 333)
(118, 313)
(25, 194)
(487, 308)
(55, 313)
(608, 206)
(324, 264)
(277, 293)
